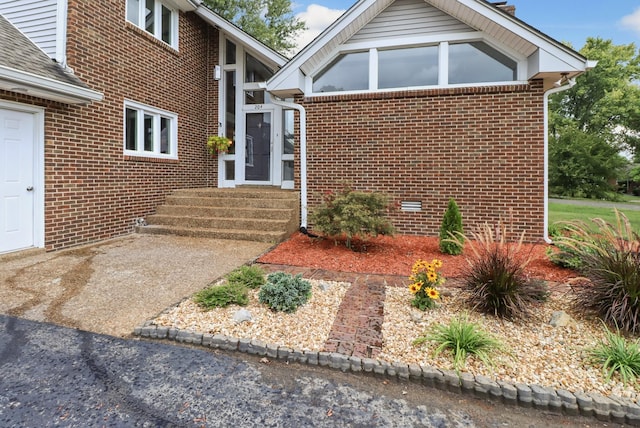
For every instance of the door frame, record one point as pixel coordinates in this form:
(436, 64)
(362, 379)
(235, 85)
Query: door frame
(38, 166)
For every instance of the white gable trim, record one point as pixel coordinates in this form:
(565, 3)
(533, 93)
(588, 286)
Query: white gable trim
(546, 58)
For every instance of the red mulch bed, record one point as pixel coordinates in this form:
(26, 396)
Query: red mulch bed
(393, 256)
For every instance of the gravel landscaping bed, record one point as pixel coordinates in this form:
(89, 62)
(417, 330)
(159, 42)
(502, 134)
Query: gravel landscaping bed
(536, 352)
(307, 329)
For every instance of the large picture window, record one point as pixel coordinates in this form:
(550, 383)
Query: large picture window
(155, 18)
(398, 68)
(348, 72)
(149, 131)
(477, 62)
(439, 64)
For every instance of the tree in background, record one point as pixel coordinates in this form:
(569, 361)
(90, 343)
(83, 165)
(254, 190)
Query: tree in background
(591, 123)
(270, 21)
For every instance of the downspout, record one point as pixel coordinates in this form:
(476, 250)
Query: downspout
(303, 159)
(551, 91)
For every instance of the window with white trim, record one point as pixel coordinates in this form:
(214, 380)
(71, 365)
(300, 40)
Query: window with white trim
(440, 64)
(150, 132)
(156, 18)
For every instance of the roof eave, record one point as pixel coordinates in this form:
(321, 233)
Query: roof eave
(17, 81)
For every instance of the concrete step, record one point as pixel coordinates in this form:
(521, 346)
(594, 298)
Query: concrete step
(227, 201)
(260, 214)
(241, 235)
(225, 211)
(218, 222)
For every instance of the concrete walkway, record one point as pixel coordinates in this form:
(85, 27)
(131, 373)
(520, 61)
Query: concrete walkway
(115, 285)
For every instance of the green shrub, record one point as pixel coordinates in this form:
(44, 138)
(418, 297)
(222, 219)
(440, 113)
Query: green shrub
(616, 354)
(219, 296)
(495, 281)
(610, 260)
(561, 254)
(451, 225)
(249, 276)
(285, 292)
(463, 338)
(351, 214)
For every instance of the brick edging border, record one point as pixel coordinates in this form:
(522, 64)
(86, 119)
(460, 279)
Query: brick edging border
(615, 409)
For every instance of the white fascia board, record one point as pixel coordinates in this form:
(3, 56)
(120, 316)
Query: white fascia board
(277, 81)
(544, 62)
(184, 5)
(243, 38)
(61, 33)
(46, 88)
(520, 28)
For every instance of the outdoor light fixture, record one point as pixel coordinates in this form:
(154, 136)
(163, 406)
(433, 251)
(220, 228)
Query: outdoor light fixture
(564, 79)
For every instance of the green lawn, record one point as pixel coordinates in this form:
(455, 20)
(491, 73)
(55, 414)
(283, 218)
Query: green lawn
(566, 212)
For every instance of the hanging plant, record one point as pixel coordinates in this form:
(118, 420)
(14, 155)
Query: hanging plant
(218, 144)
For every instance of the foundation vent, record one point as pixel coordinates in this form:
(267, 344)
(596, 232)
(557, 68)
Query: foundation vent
(411, 206)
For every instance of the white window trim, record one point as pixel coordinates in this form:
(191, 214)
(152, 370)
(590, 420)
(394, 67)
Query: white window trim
(157, 31)
(157, 113)
(443, 62)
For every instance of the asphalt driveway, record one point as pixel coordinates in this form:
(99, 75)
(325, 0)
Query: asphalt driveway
(114, 286)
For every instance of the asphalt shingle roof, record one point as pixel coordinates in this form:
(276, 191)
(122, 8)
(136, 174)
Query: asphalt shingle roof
(18, 52)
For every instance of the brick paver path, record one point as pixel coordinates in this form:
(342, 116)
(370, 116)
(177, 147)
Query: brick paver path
(357, 328)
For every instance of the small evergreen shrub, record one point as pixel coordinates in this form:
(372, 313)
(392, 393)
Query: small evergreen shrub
(495, 281)
(284, 292)
(250, 276)
(220, 296)
(616, 354)
(462, 338)
(451, 225)
(610, 260)
(351, 214)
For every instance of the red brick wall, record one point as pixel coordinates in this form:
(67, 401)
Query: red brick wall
(482, 146)
(92, 191)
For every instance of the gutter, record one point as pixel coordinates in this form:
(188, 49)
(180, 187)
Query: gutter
(303, 159)
(569, 85)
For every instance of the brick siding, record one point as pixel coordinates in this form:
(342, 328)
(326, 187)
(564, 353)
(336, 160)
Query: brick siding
(92, 190)
(482, 146)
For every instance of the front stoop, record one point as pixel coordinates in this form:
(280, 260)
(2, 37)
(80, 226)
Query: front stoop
(262, 214)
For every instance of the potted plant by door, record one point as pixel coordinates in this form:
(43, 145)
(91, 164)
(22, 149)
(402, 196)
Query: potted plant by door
(218, 144)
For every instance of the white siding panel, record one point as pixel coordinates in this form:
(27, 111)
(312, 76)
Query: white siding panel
(36, 19)
(406, 18)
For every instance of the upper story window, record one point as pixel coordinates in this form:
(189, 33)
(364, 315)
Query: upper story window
(348, 72)
(477, 62)
(156, 18)
(256, 71)
(150, 132)
(436, 65)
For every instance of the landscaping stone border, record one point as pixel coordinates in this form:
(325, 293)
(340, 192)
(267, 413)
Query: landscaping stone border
(615, 409)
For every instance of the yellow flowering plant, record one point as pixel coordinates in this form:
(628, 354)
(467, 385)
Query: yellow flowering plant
(425, 279)
(218, 144)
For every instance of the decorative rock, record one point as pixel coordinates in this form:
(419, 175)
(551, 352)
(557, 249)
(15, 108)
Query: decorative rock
(416, 315)
(242, 315)
(560, 319)
(324, 285)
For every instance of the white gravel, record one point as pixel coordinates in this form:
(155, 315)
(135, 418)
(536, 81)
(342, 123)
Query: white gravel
(306, 329)
(535, 352)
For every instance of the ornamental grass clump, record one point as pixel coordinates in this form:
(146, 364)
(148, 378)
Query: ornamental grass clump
(425, 280)
(610, 260)
(462, 338)
(350, 214)
(495, 281)
(617, 355)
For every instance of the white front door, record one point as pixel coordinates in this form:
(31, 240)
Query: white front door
(17, 181)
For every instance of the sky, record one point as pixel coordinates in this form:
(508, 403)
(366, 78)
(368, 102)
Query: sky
(566, 21)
